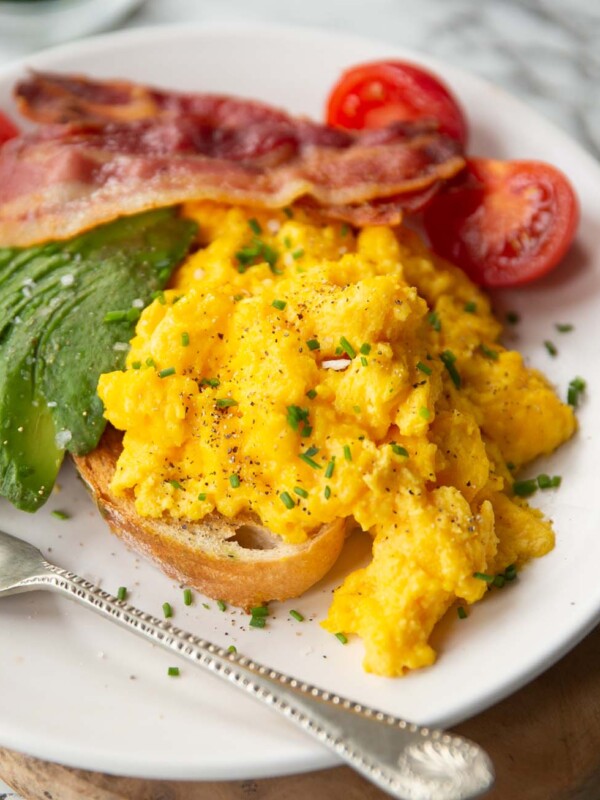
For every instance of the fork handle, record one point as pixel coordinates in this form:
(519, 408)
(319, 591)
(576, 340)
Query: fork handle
(406, 761)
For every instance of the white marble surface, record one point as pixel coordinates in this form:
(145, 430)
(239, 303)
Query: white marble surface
(545, 51)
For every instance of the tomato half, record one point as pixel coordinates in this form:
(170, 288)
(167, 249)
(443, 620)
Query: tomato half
(8, 130)
(373, 95)
(506, 222)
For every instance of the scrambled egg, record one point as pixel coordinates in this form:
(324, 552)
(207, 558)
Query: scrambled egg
(305, 373)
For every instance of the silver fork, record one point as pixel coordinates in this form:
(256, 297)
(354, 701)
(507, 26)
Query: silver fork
(406, 761)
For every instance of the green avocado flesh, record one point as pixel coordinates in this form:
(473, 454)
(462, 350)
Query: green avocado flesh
(54, 342)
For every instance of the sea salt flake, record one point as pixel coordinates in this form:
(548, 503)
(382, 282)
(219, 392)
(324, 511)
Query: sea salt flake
(63, 438)
(120, 346)
(67, 280)
(336, 363)
(137, 303)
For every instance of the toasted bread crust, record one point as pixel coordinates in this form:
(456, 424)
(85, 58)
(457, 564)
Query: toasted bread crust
(208, 555)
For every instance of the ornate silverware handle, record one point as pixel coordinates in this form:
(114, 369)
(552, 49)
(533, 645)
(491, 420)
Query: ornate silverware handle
(405, 760)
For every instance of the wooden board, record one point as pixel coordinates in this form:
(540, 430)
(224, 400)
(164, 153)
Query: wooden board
(544, 741)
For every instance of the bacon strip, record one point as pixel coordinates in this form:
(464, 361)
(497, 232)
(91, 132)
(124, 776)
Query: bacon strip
(108, 149)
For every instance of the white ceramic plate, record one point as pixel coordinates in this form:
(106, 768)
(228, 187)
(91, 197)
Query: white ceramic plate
(76, 689)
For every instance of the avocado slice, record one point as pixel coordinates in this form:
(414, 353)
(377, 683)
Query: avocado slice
(55, 343)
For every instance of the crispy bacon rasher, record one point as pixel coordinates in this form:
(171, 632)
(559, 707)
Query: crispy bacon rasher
(108, 149)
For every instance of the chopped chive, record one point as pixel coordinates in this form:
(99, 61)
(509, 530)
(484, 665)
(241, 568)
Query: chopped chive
(122, 593)
(187, 597)
(60, 514)
(341, 638)
(167, 610)
(488, 352)
(365, 348)
(259, 611)
(136, 365)
(327, 493)
(546, 482)
(286, 499)
(347, 452)
(551, 347)
(202, 497)
(308, 460)
(214, 382)
(205, 605)
(424, 368)
(364, 361)
(258, 622)
(297, 254)
(279, 304)
(232, 649)
(471, 308)
(296, 415)
(525, 488)
(338, 351)
(448, 358)
(344, 230)
(312, 451)
(185, 339)
(221, 605)
(234, 481)
(296, 615)
(510, 573)
(330, 468)
(254, 226)
(311, 394)
(499, 581)
(434, 320)
(462, 614)
(287, 241)
(160, 296)
(347, 347)
(399, 450)
(150, 362)
(288, 212)
(563, 327)
(356, 409)
(127, 315)
(300, 491)
(164, 373)
(313, 344)
(173, 672)
(237, 297)
(225, 402)
(424, 412)
(175, 484)
(512, 317)
(576, 387)
(482, 576)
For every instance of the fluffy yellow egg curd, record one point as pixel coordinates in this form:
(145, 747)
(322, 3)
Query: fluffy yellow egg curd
(306, 372)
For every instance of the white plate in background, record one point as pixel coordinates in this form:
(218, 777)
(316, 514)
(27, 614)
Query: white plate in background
(75, 689)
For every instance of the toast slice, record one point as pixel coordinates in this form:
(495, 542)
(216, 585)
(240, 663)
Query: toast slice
(235, 560)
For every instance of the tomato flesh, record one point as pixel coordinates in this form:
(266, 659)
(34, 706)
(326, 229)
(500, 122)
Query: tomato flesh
(506, 222)
(373, 95)
(8, 130)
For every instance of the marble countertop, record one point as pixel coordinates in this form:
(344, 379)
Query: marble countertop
(547, 52)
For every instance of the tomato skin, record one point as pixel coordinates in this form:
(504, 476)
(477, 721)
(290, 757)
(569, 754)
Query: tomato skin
(373, 95)
(8, 130)
(504, 222)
